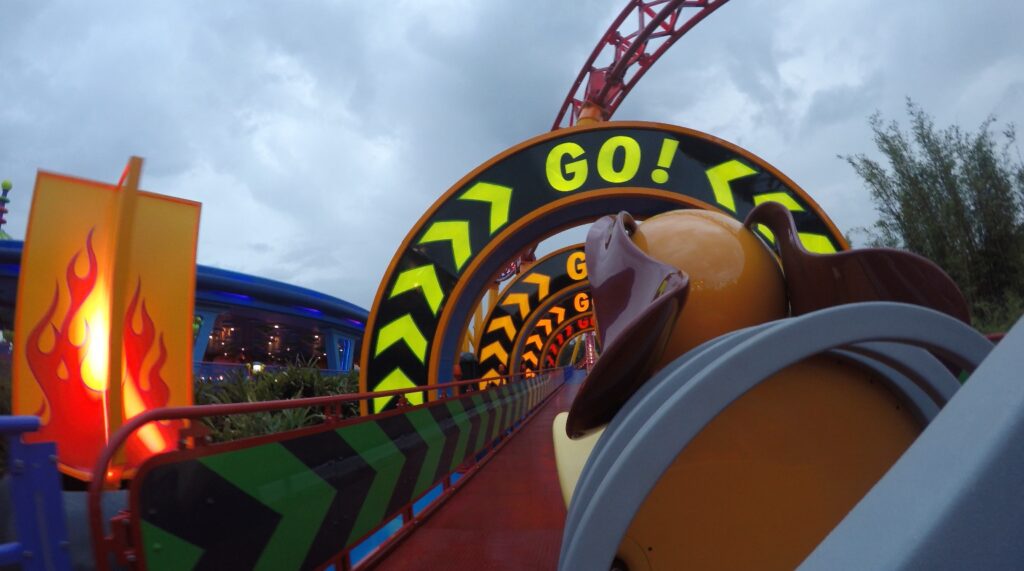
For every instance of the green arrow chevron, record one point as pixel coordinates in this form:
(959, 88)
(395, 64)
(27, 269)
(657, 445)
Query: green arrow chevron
(461, 419)
(431, 434)
(497, 196)
(166, 551)
(395, 380)
(817, 243)
(374, 446)
(720, 176)
(402, 329)
(454, 231)
(496, 410)
(517, 402)
(302, 509)
(425, 278)
(782, 198)
(478, 404)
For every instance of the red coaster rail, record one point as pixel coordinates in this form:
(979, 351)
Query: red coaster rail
(641, 33)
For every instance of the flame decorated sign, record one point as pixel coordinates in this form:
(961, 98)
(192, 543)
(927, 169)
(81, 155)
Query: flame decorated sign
(101, 284)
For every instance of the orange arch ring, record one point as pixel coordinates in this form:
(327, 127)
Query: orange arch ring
(534, 268)
(551, 218)
(562, 328)
(558, 298)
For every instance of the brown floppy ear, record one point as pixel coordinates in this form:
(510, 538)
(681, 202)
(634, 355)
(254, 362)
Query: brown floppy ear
(817, 281)
(637, 301)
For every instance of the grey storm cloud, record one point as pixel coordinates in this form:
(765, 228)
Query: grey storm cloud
(316, 133)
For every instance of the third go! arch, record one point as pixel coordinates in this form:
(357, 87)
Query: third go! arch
(538, 188)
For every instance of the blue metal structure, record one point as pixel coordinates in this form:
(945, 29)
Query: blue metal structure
(222, 294)
(42, 534)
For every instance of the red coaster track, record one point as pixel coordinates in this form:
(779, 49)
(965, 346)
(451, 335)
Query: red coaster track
(641, 33)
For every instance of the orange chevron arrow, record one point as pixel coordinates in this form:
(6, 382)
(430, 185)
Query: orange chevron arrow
(490, 374)
(546, 324)
(503, 322)
(496, 350)
(541, 281)
(559, 312)
(530, 358)
(535, 340)
(520, 299)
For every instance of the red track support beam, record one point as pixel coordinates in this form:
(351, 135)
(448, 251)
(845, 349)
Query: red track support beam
(641, 33)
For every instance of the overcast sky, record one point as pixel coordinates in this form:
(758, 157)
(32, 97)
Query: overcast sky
(316, 133)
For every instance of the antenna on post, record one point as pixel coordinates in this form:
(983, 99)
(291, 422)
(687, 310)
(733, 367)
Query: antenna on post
(6, 187)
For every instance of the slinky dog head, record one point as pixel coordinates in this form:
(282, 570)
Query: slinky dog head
(665, 286)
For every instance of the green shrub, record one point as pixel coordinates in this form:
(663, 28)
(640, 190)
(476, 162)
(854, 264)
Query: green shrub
(302, 380)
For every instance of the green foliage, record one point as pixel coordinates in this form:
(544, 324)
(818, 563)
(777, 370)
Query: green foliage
(297, 381)
(955, 198)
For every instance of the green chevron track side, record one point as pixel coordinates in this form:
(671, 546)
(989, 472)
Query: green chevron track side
(383, 456)
(461, 418)
(295, 501)
(285, 485)
(169, 552)
(431, 433)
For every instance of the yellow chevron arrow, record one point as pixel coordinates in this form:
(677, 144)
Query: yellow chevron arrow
(782, 198)
(402, 329)
(503, 322)
(535, 340)
(720, 176)
(559, 313)
(530, 357)
(546, 324)
(496, 350)
(454, 231)
(542, 281)
(817, 243)
(497, 196)
(395, 380)
(491, 374)
(425, 278)
(520, 299)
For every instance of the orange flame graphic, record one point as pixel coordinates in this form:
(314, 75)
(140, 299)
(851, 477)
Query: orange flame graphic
(144, 390)
(72, 411)
(72, 373)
